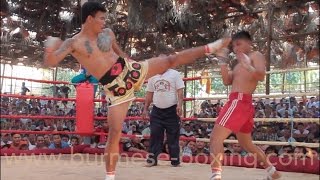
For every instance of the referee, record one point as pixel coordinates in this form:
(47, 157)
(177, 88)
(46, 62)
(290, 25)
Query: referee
(166, 92)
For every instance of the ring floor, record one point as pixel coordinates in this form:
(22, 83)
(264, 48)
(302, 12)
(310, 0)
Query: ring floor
(91, 167)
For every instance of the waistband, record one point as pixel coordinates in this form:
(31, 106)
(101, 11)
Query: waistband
(168, 108)
(113, 72)
(240, 96)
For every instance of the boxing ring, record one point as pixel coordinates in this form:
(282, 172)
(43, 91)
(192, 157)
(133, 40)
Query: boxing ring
(83, 162)
(83, 167)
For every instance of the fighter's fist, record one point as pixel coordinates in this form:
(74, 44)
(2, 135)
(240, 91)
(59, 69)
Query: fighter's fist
(217, 45)
(245, 61)
(223, 56)
(52, 43)
(243, 58)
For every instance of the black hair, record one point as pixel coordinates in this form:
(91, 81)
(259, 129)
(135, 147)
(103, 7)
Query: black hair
(90, 9)
(242, 35)
(56, 134)
(74, 137)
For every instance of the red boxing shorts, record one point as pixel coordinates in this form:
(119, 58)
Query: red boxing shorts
(237, 115)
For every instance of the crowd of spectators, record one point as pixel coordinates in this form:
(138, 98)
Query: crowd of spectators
(285, 131)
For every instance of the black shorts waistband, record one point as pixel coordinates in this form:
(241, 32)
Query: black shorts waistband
(113, 72)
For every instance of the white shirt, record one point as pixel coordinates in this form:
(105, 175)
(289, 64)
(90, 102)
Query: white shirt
(298, 132)
(164, 88)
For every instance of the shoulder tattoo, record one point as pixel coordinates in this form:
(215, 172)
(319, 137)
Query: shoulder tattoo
(104, 42)
(88, 47)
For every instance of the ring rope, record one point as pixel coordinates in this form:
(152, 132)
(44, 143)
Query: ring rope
(35, 80)
(275, 143)
(280, 120)
(143, 99)
(185, 79)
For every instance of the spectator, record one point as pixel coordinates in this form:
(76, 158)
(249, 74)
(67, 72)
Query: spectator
(238, 150)
(47, 140)
(58, 143)
(313, 153)
(74, 141)
(286, 136)
(301, 133)
(271, 151)
(286, 151)
(40, 144)
(299, 152)
(201, 148)
(65, 138)
(5, 140)
(187, 131)
(135, 144)
(190, 149)
(16, 143)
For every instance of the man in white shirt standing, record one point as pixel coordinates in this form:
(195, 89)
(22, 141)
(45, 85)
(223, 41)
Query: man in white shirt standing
(166, 92)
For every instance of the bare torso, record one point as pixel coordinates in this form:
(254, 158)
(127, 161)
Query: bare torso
(243, 80)
(90, 56)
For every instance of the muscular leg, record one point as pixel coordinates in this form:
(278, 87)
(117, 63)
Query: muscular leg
(161, 64)
(116, 115)
(218, 135)
(245, 141)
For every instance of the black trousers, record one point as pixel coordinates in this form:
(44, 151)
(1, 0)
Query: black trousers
(164, 120)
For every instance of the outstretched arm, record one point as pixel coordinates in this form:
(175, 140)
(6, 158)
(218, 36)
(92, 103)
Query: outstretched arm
(56, 50)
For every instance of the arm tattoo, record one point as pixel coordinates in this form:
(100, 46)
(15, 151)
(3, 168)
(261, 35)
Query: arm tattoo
(64, 47)
(104, 42)
(88, 47)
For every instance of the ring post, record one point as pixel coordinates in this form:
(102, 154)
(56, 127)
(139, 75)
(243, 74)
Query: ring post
(84, 108)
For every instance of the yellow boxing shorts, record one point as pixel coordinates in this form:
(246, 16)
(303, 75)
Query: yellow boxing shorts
(123, 78)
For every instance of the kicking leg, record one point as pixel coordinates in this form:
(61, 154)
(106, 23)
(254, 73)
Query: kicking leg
(159, 65)
(218, 135)
(116, 115)
(245, 141)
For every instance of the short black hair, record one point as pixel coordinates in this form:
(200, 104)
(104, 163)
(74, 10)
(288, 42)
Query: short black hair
(90, 9)
(242, 35)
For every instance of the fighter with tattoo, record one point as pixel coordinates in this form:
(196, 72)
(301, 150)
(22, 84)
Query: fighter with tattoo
(96, 49)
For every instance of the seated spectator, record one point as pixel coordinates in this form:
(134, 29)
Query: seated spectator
(238, 150)
(201, 148)
(229, 145)
(271, 134)
(40, 143)
(286, 151)
(47, 140)
(182, 143)
(74, 141)
(24, 145)
(133, 128)
(286, 136)
(187, 131)
(65, 138)
(135, 144)
(313, 153)
(301, 133)
(26, 139)
(58, 143)
(5, 140)
(299, 152)
(271, 151)
(16, 141)
(190, 149)
(146, 143)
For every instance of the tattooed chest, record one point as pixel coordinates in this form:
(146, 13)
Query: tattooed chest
(103, 44)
